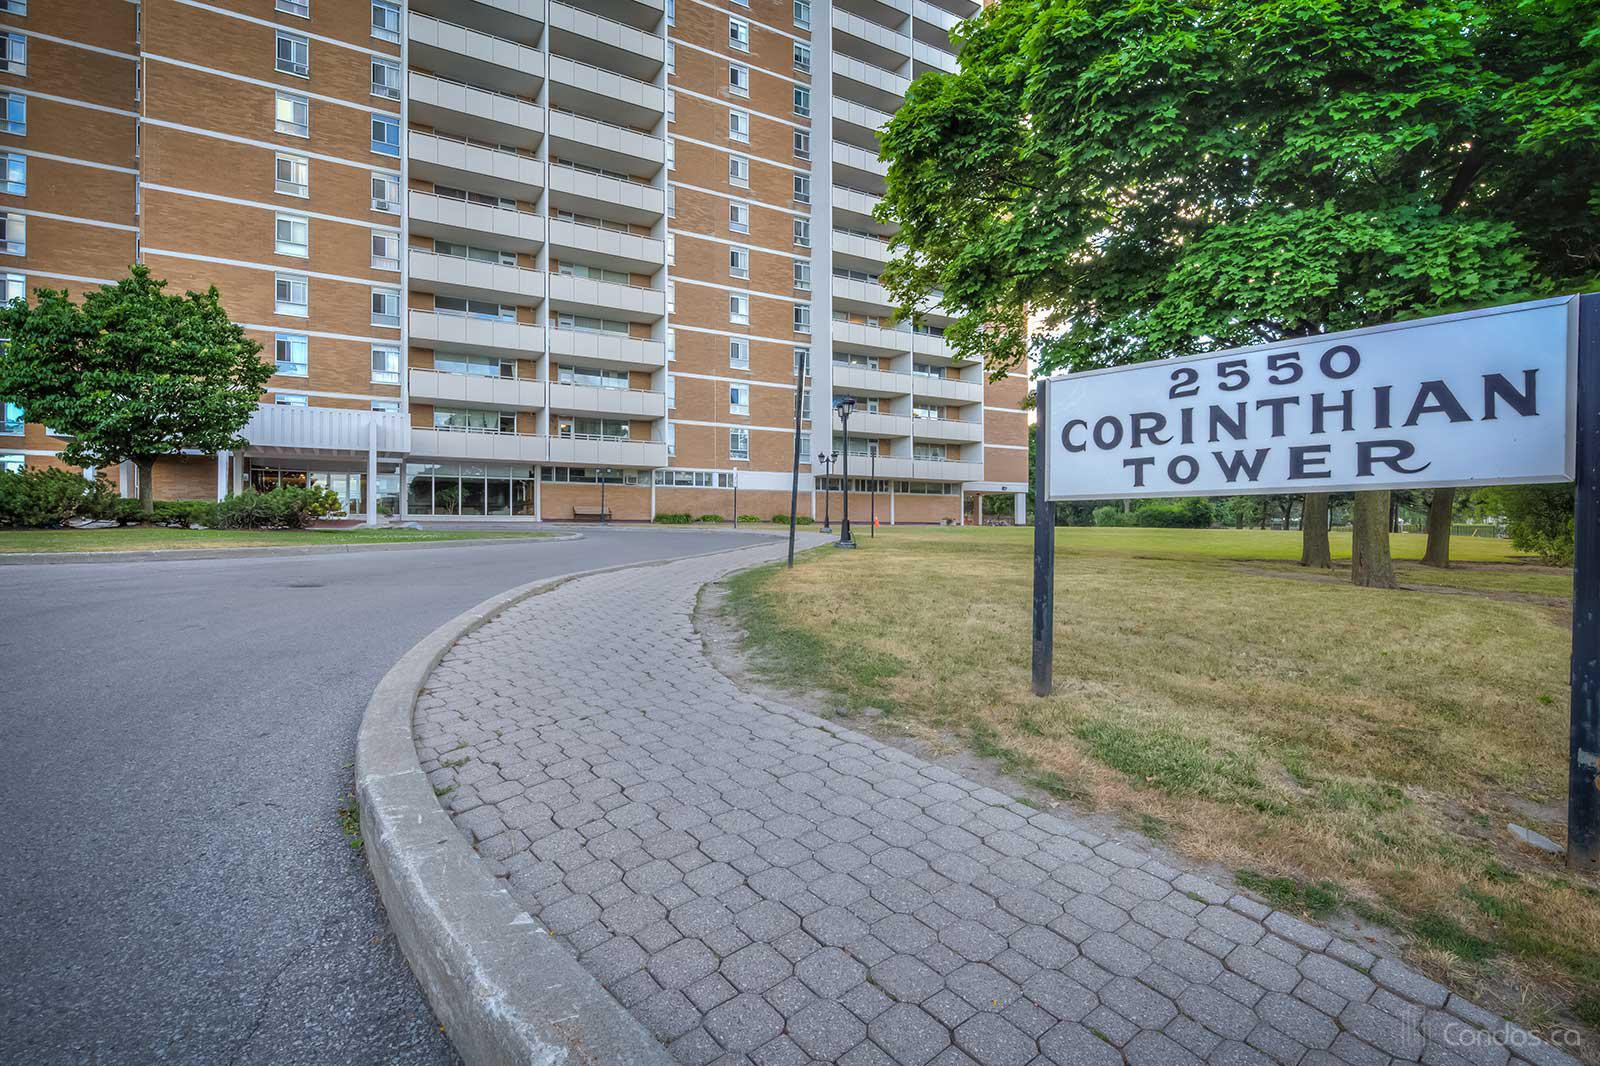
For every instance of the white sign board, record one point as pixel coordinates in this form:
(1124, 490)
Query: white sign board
(1484, 397)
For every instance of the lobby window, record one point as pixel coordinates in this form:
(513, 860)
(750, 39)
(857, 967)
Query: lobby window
(738, 34)
(739, 171)
(291, 351)
(802, 101)
(385, 135)
(385, 250)
(739, 217)
(739, 309)
(290, 294)
(802, 58)
(739, 444)
(739, 126)
(739, 262)
(802, 233)
(13, 174)
(386, 21)
(739, 400)
(301, 8)
(802, 144)
(292, 175)
(293, 114)
(385, 365)
(13, 54)
(386, 193)
(294, 55)
(802, 189)
(802, 13)
(385, 307)
(13, 287)
(14, 114)
(386, 79)
(802, 275)
(292, 236)
(738, 353)
(738, 79)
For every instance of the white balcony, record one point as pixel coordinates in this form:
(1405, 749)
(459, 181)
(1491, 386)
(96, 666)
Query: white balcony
(872, 41)
(873, 340)
(476, 336)
(889, 13)
(458, 276)
(606, 299)
(465, 54)
(462, 164)
(584, 193)
(282, 429)
(936, 17)
(884, 466)
(475, 389)
(518, 20)
(605, 94)
(486, 447)
(948, 470)
(603, 42)
(933, 346)
(470, 111)
(925, 386)
(869, 84)
(925, 57)
(863, 381)
(606, 145)
(853, 209)
(865, 297)
(595, 451)
(858, 124)
(469, 223)
(949, 430)
(641, 14)
(871, 425)
(854, 250)
(614, 403)
(606, 248)
(612, 351)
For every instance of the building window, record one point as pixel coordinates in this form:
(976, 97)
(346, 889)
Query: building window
(802, 58)
(802, 189)
(385, 366)
(13, 234)
(290, 294)
(388, 407)
(739, 126)
(738, 34)
(295, 7)
(802, 275)
(739, 171)
(13, 287)
(802, 359)
(672, 440)
(290, 399)
(738, 79)
(802, 233)
(802, 101)
(386, 193)
(802, 144)
(292, 175)
(672, 201)
(13, 421)
(294, 55)
(802, 13)
(739, 444)
(739, 309)
(14, 7)
(292, 236)
(672, 13)
(739, 262)
(672, 105)
(738, 353)
(802, 318)
(739, 400)
(672, 153)
(385, 135)
(672, 248)
(386, 21)
(385, 307)
(13, 174)
(385, 250)
(739, 217)
(672, 57)
(293, 114)
(386, 79)
(672, 391)
(13, 54)
(672, 298)
(14, 114)
(291, 351)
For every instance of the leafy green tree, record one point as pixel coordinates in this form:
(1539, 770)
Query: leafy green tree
(132, 373)
(1168, 177)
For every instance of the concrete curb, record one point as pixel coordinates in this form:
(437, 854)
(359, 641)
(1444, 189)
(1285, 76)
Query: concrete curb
(162, 555)
(502, 986)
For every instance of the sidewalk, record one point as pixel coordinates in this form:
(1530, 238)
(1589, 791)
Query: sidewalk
(759, 886)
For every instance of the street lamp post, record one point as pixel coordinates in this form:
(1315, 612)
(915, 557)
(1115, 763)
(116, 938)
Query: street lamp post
(826, 461)
(872, 507)
(845, 405)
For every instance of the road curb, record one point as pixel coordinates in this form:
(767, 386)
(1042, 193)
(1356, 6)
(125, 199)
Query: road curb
(502, 986)
(161, 555)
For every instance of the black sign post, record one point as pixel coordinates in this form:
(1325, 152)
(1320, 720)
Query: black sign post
(1044, 551)
(1583, 783)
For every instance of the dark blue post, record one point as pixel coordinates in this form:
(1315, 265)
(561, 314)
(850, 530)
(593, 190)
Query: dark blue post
(1044, 549)
(1583, 799)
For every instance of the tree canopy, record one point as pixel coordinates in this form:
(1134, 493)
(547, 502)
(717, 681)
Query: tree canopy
(1164, 177)
(131, 372)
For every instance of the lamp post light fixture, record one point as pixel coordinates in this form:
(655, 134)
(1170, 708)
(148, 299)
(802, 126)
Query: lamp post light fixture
(826, 461)
(845, 405)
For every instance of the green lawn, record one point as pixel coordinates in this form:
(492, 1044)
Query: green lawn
(1348, 751)
(154, 538)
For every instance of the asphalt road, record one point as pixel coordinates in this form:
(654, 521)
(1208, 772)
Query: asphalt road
(174, 879)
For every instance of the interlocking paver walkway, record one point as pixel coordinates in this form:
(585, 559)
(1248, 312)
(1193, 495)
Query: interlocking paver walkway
(760, 886)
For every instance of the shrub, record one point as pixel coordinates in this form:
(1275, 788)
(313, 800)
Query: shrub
(126, 512)
(749, 518)
(288, 507)
(804, 520)
(1192, 513)
(1112, 515)
(710, 518)
(46, 499)
(675, 518)
(1538, 517)
(185, 513)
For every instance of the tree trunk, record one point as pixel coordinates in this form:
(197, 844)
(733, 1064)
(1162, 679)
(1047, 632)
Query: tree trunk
(1238, 517)
(1314, 549)
(1370, 563)
(1441, 509)
(147, 488)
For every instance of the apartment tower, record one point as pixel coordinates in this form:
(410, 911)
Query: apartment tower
(512, 257)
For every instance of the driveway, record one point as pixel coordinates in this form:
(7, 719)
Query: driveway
(179, 734)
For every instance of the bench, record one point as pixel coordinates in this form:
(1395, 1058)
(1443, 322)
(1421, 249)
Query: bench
(599, 514)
